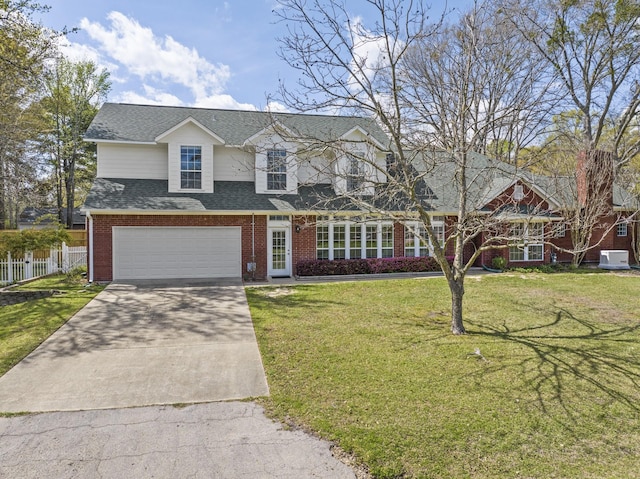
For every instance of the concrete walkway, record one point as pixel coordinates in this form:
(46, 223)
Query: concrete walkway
(226, 440)
(144, 344)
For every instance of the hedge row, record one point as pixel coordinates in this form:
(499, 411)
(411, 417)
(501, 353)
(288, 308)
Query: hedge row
(324, 267)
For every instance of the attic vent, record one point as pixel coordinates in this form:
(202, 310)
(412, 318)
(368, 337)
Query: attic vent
(518, 192)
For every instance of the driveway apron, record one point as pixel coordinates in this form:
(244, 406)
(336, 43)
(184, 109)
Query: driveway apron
(140, 344)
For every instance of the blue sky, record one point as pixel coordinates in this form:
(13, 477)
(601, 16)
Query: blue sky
(219, 54)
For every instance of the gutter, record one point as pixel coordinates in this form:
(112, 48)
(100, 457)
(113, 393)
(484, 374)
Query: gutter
(90, 219)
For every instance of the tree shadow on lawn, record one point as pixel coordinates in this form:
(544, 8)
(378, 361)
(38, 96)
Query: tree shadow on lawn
(568, 360)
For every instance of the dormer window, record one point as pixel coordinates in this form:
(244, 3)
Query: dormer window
(355, 174)
(277, 170)
(191, 167)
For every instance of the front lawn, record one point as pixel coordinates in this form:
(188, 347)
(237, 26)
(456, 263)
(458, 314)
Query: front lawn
(545, 385)
(24, 326)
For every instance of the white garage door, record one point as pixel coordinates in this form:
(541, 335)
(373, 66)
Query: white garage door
(176, 252)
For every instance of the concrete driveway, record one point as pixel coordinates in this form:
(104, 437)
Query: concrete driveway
(143, 344)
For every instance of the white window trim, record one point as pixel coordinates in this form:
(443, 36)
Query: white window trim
(285, 160)
(182, 188)
(525, 243)
(622, 225)
(363, 237)
(414, 226)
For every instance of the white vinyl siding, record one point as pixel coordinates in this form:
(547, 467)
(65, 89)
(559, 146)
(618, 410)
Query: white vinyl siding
(176, 252)
(190, 135)
(271, 143)
(232, 164)
(132, 161)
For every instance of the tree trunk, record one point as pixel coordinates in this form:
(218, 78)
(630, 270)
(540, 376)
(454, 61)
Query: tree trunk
(2, 195)
(70, 190)
(457, 293)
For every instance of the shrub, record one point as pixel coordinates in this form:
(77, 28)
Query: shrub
(30, 240)
(499, 262)
(76, 275)
(326, 267)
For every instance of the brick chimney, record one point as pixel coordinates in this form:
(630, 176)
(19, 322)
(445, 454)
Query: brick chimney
(595, 177)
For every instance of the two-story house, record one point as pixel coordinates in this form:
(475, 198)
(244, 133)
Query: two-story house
(189, 192)
(203, 193)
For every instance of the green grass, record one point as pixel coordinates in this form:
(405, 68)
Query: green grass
(24, 326)
(373, 367)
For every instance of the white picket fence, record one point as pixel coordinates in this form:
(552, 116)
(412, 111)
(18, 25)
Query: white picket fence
(63, 260)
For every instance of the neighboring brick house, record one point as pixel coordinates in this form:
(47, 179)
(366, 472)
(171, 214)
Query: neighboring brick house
(194, 193)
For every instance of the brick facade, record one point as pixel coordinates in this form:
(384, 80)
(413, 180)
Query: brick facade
(103, 246)
(303, 240)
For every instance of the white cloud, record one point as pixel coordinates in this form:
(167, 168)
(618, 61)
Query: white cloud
(77, 52)
(276, 107)
(162, 62)
(223, 101)
(368, 51)
(152, 96)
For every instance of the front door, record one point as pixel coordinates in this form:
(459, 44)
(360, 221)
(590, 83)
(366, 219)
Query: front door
(279, 252)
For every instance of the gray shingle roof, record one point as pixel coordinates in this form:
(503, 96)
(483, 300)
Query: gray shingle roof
(152, 195)
(144, 123)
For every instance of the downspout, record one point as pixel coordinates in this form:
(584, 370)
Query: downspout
(253, 246)
(90, 218)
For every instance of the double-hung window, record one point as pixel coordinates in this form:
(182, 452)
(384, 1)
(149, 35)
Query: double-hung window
(345, 239)
(277, 170)
(355, 174)
(191, 167)
(527, 242)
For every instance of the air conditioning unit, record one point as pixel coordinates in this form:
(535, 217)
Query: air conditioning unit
(614, 259)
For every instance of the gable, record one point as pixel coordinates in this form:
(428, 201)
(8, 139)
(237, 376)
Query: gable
(189, 131)
(520, 195)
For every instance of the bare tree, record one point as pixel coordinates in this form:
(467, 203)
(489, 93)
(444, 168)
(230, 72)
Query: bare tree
(441, 91)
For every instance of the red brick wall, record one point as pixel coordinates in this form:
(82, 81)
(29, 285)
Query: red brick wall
(303, 242)
(530, 198)
(398, 239)
(102, 237)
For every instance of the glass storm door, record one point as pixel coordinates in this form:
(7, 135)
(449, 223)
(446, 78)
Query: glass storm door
(279, 252)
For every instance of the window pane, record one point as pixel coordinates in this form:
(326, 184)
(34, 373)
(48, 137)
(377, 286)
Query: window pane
(536, 231)
(322, 242)
(191, 167)
(622, 229)
(387, 241)
(339, 241)
(277, 170)
(372, 240)
(516, 253)
(354, 174)
(439, 231)
(409, 241)
(535, 252)
(516, 230)
(355, 241)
